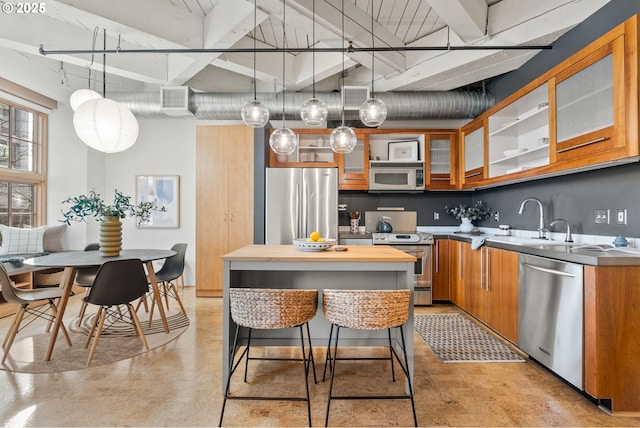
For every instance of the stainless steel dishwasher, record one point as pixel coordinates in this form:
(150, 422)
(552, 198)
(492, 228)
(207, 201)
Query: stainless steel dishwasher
(550, 321)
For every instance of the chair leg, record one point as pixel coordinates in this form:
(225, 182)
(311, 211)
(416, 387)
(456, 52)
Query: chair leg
(312, 360)
(165, 290)
(54, 311)
(93, 326)
(137, 325)
(172, 288)
(327, 359)
(231, 370)
(153, 305)
(393, 373)
(83, 309)
(332, 372)
(406, 371)
(94, 345)
(14, 330)
(13, 323)
(246, 362)
(305, 367)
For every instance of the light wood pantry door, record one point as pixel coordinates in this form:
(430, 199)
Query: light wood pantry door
(224, 200)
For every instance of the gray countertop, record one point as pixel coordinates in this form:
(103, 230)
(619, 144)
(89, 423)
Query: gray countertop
(575, 252)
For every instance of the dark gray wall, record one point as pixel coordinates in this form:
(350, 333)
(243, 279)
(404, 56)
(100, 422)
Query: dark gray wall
(613, 13)
(573, 197)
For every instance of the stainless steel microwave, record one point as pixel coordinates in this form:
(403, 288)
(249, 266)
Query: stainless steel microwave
(396, 176)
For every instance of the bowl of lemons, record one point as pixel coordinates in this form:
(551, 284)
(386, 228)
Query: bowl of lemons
(315, 242)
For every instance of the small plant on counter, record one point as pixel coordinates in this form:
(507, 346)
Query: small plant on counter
(478, 211)
(93, 205)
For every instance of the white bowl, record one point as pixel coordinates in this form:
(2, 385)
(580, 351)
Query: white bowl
(509, 153)
(304, 245)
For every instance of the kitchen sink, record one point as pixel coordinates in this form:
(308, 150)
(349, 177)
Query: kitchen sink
(521, 240)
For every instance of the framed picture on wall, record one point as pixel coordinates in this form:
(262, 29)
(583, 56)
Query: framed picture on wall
(165, 189)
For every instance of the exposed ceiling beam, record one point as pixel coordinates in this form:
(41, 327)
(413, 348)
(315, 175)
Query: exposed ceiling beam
(468, 19)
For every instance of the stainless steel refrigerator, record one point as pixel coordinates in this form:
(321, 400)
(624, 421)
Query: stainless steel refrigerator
(300, 201)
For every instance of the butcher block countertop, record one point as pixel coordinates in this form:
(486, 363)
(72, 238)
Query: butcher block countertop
(289, 253)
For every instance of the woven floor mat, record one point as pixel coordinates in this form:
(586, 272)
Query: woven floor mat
(454, 338)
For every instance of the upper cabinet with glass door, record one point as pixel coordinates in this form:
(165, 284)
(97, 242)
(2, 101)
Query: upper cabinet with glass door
(313, 151)
(442, 166)
(472, 159)
(353, 168)
(591, 99)
(519, 134)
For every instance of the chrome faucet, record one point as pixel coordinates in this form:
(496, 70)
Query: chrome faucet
(542, 230)
(568, 237)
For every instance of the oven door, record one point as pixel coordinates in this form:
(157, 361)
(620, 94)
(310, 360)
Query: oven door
(422, 272)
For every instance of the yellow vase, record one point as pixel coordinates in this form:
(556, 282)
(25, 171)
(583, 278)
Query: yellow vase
(111, 236)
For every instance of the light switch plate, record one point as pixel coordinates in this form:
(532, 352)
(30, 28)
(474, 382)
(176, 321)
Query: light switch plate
(621, 216)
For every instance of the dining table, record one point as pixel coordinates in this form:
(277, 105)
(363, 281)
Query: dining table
(72, 260)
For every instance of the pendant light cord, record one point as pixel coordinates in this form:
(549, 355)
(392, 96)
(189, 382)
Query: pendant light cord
(284, 43)
(342, 62)
(373, 52)
(313, 42)
(255, 23)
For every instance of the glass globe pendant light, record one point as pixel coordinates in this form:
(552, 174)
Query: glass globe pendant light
(314, 111)
(373, 111)
(343, 139)
(254, 113)
(283, 141)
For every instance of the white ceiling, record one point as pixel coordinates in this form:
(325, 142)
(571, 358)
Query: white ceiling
(224, 24)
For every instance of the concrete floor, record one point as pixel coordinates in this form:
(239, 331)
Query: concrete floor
(179, 385)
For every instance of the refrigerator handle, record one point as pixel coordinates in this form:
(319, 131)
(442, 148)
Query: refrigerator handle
(297, 212)
(305, 209)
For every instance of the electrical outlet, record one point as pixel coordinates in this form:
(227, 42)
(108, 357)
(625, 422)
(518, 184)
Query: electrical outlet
(621, 216)
(496, 216)
(602, 216)
(436, 215)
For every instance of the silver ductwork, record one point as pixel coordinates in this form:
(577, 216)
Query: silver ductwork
(400, 105)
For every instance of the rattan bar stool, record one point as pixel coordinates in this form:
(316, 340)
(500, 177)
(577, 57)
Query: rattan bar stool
(268, 309)
(367, 310)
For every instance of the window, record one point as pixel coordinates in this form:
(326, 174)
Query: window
(22, 135)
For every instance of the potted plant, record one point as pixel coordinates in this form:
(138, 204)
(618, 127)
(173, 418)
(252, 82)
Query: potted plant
(83, 206)
(466, 214)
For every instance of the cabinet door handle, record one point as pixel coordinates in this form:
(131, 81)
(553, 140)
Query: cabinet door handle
(444, 179)
(225, 217)
(437, 256)
(354, 178)
(482, 268)
(231, 219)
(461, 261)
(473, 175)
(597, 140)
(487, 273)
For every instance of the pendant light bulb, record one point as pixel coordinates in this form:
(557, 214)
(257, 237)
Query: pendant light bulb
(343, 139)
(283, 141)
(254, 114)
(373, 112)
(314, 112)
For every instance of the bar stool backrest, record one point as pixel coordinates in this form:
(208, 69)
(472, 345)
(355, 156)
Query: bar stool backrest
(366, 309)
(270, 308)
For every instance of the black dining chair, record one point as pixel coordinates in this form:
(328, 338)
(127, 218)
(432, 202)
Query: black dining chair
(32, 304)
(117, 283)
(171, 270)
(85, 276)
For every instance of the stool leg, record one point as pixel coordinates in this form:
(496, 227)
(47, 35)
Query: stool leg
(406, 370)
(306, 373)
(246, 362)
(393, 373)
(332, 370)
(327, 359)
(231, 369)
(312, 360)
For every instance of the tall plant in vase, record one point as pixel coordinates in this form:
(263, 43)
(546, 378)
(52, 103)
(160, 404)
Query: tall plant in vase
(109, 216)
(466, 214)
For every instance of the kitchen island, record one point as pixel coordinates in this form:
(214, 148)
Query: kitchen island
(284, 266)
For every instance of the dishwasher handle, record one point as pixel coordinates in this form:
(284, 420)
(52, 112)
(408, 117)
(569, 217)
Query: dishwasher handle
(547, 270)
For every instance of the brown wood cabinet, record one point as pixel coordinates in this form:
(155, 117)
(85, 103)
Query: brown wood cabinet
(581, 114)
(440, 157)
(465, 264)
(224, 202)
(612, 337)
(440, 270)
(501, 289)
(353, 168)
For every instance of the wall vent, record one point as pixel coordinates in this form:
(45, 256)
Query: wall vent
(354, 96)
(174, 100)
